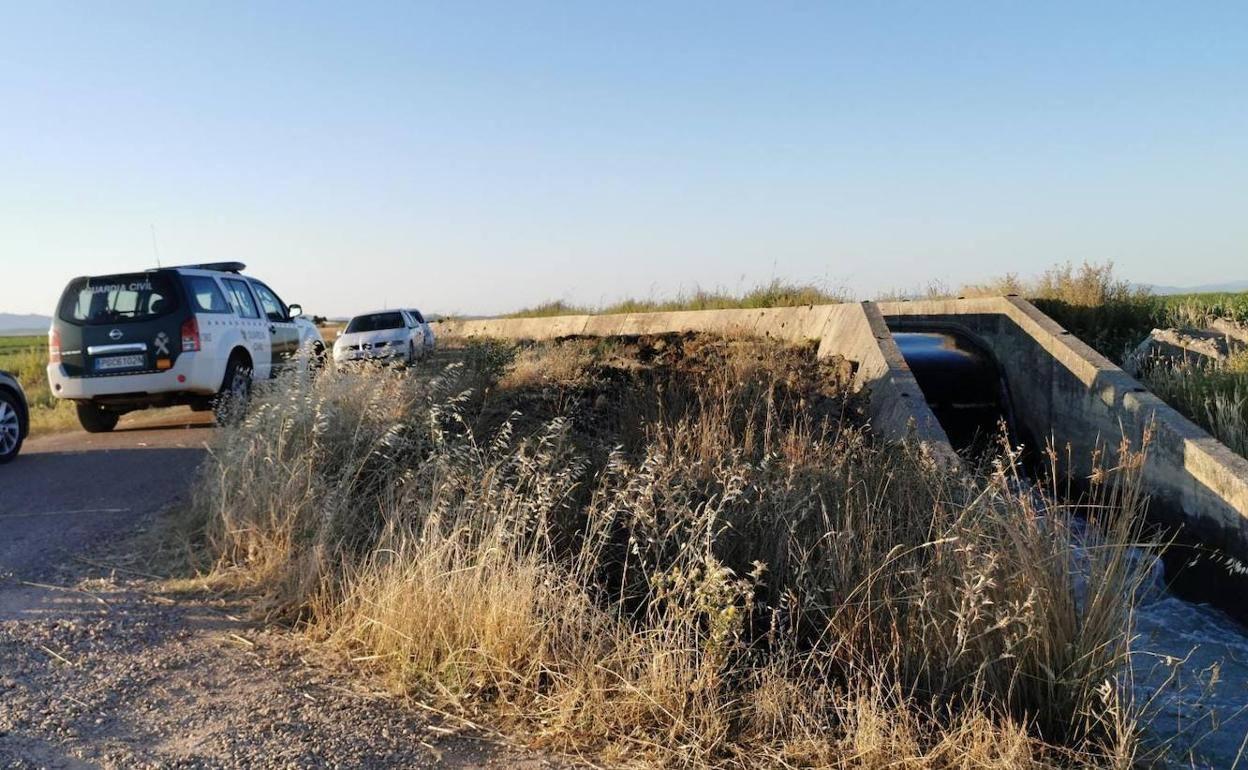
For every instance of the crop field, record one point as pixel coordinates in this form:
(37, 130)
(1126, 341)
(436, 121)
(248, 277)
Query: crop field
(21, 344)
(678, 551)
(1197, 309)
(25, 358)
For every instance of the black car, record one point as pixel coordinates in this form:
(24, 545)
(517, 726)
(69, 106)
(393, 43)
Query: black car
(14, 417)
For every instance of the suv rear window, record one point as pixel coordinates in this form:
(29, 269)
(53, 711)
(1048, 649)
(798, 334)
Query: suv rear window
(114, 299)
(376, 322)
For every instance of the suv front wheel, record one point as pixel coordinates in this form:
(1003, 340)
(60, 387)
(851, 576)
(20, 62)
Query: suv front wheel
(96, 420)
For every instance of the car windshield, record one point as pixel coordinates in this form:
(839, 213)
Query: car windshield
(117, 298)
(376, 322)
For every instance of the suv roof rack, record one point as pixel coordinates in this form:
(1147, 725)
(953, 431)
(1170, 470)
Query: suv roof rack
(220, 267)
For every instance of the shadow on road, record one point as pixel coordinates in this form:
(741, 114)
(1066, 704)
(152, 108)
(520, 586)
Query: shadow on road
(52, 502)
(164, 426)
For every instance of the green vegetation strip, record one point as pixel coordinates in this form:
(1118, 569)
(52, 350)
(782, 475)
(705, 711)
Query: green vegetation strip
(26, 358)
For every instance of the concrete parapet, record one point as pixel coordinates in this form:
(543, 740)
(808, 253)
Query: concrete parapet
(897, 405)
(1062, 389)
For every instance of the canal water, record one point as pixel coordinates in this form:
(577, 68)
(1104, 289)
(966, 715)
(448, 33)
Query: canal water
(1189, 662)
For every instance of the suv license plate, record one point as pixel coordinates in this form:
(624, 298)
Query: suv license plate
(113, 363)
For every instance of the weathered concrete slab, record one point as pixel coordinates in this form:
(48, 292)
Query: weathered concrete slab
(1232, 329)
(1063, 390)
(1206, 346)
(518, 328)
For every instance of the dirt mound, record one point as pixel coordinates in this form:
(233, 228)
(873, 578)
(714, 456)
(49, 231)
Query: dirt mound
(612, 388)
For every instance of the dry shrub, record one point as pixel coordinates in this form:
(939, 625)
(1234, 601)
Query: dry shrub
(731, 582)
(1105, 311)
(561, 366)
(1088, 285)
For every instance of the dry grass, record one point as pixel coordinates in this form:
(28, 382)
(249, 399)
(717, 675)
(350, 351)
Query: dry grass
(681, 553)
(775, 293)
(1214, 395)
(1105, 311)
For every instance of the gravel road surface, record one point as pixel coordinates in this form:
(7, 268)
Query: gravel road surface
(104, 664)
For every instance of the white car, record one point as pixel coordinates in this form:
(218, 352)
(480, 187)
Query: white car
(418, 317)
(384, 336)
(194, 335)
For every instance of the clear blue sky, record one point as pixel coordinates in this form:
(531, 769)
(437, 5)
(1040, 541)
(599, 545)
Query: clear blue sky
(477, 157)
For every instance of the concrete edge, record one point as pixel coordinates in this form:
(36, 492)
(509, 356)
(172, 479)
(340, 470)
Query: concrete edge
(1194, 450)
(856, 331)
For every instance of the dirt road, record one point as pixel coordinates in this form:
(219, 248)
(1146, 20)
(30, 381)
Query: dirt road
(103, 664)
(75, 489)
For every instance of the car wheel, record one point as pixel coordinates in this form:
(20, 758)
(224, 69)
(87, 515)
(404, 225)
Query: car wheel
(231, 401)
(93, 419)
(10, 428)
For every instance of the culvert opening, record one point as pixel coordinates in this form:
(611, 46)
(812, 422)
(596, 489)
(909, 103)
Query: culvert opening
(963, 386)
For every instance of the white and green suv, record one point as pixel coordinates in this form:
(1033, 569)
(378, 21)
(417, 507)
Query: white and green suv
(194, 335)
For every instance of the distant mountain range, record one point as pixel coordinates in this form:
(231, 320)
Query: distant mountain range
(24, 324)
(1229, 286)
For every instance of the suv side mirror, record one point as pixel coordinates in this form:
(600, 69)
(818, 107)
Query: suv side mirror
(296, 311)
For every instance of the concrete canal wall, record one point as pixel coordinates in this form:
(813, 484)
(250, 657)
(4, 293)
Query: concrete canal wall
(1065, 391)
(1062, 390)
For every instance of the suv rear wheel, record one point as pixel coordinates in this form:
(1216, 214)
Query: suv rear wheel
(231, 401)
(10, 428)
(96, 420)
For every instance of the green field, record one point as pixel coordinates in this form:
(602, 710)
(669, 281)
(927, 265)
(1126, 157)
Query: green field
(25, 358)
(1194, 309)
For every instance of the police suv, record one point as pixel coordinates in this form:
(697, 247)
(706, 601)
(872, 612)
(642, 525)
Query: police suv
(195, 335)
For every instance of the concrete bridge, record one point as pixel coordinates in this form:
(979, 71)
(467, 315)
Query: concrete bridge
(1061, 390)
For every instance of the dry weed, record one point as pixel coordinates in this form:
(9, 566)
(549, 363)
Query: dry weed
(719, 579)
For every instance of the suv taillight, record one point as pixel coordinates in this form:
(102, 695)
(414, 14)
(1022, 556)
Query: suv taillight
(190, 335)
(54, 346)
